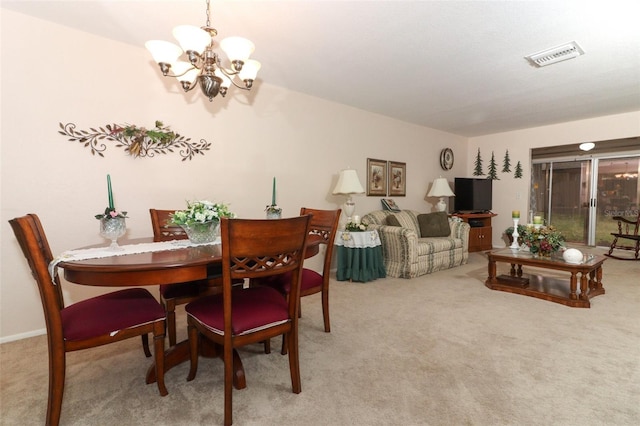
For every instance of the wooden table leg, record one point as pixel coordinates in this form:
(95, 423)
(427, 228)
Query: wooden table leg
(595, 283)
(491, 271)
(180, 353)
(573, 284)
(584, 293)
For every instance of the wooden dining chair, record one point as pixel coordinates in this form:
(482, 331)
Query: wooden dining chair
(172, 295)
(324, 224)
(238, 317)
(89, 323)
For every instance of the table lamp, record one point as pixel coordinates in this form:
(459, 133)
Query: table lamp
(348, 184)
(441, 188)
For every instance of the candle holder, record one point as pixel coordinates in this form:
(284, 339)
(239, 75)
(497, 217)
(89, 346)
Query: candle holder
(515, 235)
(273, 212)
(112, 229)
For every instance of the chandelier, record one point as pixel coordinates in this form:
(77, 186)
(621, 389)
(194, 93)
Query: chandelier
(626, 175)
(204, 63)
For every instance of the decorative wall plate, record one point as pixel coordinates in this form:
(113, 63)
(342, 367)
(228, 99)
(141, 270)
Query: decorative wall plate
(446, 159)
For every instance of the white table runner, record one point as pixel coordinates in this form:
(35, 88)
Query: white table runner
(100, 252)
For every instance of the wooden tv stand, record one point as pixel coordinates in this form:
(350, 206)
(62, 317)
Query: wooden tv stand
(480, 237)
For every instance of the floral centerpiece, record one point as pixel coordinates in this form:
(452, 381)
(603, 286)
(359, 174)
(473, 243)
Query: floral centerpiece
(542, 240)
(201, 220)
(356, 227)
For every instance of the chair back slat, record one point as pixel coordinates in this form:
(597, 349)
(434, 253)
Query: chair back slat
(163, 229)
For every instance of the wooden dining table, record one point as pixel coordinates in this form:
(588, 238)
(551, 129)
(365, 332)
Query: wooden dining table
(175, 266)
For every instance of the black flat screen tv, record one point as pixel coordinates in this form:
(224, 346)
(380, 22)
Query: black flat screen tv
(473, 195)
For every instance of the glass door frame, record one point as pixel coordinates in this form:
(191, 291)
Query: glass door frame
(593, 163)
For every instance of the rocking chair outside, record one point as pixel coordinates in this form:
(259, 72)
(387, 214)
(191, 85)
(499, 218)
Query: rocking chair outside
(627, 230)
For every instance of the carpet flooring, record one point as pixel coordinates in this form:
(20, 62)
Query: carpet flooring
(441, 349)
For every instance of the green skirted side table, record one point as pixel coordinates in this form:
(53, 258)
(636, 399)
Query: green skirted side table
(359, 256)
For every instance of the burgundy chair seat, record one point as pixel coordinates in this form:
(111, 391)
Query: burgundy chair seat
(110, 312)
(253, 308)
(282, 283)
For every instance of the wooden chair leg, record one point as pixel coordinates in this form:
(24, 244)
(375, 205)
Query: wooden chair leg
(613, 245)
(283, 350)
(57, 371)
(325, 310)
(158, 349)
(267, 346)
(193, 351)
(294, 361)
(228, 385)
(145, 345)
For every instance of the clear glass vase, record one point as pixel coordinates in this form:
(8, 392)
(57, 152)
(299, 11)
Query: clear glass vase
(113, 228)
(202, 232)
(274, 213)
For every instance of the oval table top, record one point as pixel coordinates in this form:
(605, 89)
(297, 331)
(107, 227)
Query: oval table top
(153, 268)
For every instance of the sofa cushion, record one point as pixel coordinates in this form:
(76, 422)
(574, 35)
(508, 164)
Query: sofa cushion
(407, 219)
(434, 225)
(392, 220)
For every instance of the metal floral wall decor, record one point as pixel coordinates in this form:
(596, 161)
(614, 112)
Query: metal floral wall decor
(136, 141)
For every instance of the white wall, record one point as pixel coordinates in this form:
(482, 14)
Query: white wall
(301, 140)
(53, 74)
(513, 194)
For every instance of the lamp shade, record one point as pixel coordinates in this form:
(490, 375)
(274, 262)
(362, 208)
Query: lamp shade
(249, 70)
(192, 38)
(237, 48)
(184, 71)
(440, 188)
(163, 51)
(348, 183)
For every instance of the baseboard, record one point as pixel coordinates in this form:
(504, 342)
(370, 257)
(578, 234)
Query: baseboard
(21, 336)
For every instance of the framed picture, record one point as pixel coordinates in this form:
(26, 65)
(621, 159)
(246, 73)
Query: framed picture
(389, 204)
(376, 177)
(397, 179)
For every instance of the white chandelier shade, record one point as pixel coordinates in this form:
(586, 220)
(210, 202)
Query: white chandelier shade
(203, 63)
(163, 52)
(192, 38)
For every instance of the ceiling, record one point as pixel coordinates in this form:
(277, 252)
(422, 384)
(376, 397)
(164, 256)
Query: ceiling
(456, 66)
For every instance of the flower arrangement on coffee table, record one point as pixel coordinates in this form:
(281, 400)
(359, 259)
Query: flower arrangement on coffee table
(542, 240)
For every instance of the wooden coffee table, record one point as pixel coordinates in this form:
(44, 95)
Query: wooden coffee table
(553, 289)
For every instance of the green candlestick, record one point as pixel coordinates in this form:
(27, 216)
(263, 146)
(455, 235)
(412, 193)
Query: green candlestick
(110, 193)
(273, 194)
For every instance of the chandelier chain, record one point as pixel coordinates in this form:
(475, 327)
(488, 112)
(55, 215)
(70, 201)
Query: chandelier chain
(208, 15)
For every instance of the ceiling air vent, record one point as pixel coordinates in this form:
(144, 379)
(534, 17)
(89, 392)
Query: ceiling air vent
(555, 54)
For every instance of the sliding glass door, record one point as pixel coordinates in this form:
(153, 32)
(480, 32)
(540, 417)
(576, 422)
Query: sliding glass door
(580, 196)
(617, 195)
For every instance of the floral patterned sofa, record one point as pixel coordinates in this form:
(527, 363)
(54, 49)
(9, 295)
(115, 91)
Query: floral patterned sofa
(407, 254)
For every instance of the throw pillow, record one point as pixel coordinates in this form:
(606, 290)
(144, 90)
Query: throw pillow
(392, 220)
(434, 225)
